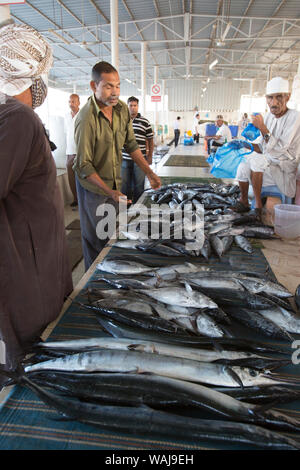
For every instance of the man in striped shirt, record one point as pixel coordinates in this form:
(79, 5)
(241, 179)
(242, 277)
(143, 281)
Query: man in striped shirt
(132, 176)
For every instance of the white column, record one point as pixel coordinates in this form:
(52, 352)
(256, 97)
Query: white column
(163, 119)
(143, 77)
(114, 31)
(155, 104)
(251, 95)
(74, 88)
(4, 13)
(296, 91)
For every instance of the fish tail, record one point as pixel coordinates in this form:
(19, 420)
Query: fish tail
(13, 376)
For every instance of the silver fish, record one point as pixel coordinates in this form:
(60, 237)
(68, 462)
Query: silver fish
(256, 285)
(217, 245)
(122, 267)
(283, 318)
(184, 369)
(208, 327)
(243, 243)
(180, 296)
(155, 347)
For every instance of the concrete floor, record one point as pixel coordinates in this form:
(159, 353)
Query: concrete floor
(78, 271)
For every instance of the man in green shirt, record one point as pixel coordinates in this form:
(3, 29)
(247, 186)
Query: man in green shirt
(102, 128)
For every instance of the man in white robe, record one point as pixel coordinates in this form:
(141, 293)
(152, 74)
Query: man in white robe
(276, 153)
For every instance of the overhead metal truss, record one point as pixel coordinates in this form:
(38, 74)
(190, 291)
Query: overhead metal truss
(181, 45)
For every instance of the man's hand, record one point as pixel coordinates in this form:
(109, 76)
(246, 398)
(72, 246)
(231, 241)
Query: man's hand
(154, 180)
(117, 196)
(258, 121)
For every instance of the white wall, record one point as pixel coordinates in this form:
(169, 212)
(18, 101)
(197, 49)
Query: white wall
(52, 113)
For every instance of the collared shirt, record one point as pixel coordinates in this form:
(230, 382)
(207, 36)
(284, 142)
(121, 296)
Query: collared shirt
(225, 134)
(69, 131)
(143, 131)
(99, 144)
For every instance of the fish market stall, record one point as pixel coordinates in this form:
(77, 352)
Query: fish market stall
(160, 348)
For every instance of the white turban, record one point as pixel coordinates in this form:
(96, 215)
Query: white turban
(24, 57)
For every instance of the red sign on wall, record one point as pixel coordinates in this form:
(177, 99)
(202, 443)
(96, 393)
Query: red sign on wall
(155, 92)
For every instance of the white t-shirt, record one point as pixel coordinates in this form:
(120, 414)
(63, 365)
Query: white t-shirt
(225, 133)
(176, 124)
(196, 125)
(69, 131)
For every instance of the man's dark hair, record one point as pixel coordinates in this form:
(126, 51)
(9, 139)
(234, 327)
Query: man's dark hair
(102, 67)
(178, 117)
(131, 99)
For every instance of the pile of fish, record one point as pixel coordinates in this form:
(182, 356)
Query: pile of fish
(170, 339)
(151, 364)
(192, 299)
(221, 229)
(135, 386)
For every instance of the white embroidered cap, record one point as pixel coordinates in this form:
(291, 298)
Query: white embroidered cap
(277, 85)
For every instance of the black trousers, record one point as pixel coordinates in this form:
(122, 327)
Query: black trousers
(176, 137)
(211, 142)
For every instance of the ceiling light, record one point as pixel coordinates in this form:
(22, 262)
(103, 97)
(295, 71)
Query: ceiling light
(204, 89)
(213, 64)
(226, 31)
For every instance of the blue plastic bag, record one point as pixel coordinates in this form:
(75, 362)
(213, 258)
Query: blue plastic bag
(188, 141)
(251, 132)
(210, 158)
(228, 157)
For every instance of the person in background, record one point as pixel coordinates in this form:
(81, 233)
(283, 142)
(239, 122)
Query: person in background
(222, 136)
(243, 123)
(133, 177)
(196, 127)
(35, 277)
(277, 152)
(176, 127)
(74, 103)
(102, 128)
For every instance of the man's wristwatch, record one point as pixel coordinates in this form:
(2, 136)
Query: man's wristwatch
(266, 137)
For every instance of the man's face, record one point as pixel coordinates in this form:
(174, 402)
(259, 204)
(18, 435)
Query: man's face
(133, 107)
(219, 122)
(107, 90)
(74, 103)
(277, 103)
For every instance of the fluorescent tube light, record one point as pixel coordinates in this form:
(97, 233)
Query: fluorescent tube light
(213, 64)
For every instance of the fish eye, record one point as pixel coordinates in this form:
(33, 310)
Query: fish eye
(253, 373)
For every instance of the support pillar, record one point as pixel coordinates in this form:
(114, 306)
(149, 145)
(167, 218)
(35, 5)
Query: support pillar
(143, 77)
(114, 29)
